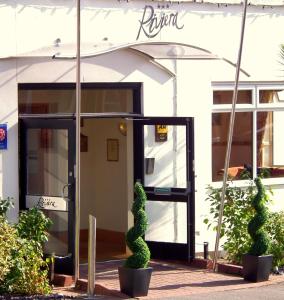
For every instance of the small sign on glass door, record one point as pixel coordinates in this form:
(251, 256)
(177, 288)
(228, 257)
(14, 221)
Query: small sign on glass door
(161, 133)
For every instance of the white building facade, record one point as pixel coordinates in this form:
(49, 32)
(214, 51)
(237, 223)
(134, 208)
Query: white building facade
(157, 82)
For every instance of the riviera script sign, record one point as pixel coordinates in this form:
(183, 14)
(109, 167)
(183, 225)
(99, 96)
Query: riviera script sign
(47, 202)
(152, 23)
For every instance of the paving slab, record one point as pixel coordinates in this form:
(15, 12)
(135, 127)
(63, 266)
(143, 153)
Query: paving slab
(267, 292)
(171, 280)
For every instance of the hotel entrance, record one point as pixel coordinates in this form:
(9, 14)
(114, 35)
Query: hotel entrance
(47, 164)
(118, 146)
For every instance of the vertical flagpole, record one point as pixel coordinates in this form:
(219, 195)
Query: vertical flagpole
(78, 127)
(230, 137)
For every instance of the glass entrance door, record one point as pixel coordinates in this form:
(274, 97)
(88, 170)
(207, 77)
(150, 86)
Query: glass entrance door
(164, 165)
(47, 178)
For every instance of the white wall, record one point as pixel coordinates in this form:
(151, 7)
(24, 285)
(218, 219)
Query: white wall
(207, 26)
(36, 24)
(9, 114)
(104, 183)
(195, 100)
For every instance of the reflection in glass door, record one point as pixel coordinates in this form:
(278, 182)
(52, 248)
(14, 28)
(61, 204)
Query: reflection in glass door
(165, 167)
(47, 164)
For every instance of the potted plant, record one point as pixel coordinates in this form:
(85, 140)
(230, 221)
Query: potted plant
(135, 275)
(257, 265)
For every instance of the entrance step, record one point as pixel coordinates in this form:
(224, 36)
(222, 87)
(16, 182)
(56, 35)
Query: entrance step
(63, 280)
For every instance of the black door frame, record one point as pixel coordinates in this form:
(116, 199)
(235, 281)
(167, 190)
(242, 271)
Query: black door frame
(28, 119)
(24, 125)
(175, 251)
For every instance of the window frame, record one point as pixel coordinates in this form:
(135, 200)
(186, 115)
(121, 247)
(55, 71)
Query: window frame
(269, 105)
(254, 107)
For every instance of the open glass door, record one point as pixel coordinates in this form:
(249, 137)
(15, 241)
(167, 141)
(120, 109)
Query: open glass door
(164, 165)
(47, 180)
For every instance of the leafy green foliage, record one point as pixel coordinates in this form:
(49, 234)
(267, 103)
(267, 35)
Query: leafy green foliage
(236, 215)
(275, 229)
(141, 253)
(22, 268)
(33, 225)
(256, 230)
(8, 242)
(29, 273)
(5, 205)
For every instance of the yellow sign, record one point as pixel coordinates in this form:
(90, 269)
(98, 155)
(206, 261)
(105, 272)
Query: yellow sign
(161, 134)
(162, 129)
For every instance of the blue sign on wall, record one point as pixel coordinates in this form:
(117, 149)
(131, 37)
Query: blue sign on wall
(3, 136)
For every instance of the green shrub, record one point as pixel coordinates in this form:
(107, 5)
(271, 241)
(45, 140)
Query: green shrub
(275, 229)
(236, 215)
(33, 225)
(29, 270)
(8, 242)
(5, 205)
(22, 267)
(260, 239)
(141, 253)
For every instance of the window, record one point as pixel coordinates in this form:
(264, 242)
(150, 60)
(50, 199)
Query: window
(270, 145)
(46, 101)
(96, 98)
(63, 101)
(225, 97)
(271, 96)
(257, 144)
(241, 153)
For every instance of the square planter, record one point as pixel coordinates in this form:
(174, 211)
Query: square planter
(257, 268)
(134, 282)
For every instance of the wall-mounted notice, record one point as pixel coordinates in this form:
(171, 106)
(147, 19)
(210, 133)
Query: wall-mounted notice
(3, 137)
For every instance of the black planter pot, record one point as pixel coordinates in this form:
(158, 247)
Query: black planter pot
(63, 264)
(256, 268)
(134, 282)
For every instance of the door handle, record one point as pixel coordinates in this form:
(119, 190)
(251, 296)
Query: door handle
(63, 190)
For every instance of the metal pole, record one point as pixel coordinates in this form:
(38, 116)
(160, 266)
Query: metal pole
(230, 137)
(91, 256)
(77, 169)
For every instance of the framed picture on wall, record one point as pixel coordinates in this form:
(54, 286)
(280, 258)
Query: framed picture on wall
(112, 150)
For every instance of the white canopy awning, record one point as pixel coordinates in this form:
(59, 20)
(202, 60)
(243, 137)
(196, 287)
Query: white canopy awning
(155, 50)
(237, 2)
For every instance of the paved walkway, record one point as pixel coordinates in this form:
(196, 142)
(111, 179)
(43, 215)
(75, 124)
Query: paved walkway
(268, 292)
(173, 280)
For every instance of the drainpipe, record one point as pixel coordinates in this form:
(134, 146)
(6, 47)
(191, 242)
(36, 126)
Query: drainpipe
(230, 137)
(175, 150)
(78, 127)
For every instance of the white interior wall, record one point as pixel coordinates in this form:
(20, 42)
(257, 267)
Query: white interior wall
(104, 183)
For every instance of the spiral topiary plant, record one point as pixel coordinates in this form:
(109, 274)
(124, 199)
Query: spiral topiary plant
(255, 227)
(141, 253)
